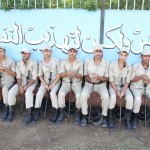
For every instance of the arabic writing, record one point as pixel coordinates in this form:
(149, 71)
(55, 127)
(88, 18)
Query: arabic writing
(125, 42)
(17, 36)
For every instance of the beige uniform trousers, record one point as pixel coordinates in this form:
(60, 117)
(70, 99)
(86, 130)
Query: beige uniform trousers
(65, 88)
(14, 91)
(128, 98)
(5, 90)
(101, 90)
(53, 96)
(137, 93)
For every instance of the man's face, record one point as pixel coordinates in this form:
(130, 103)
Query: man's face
(46, 53)
(145, 58)
(2, 53)
(25, 56)
(123, 56)
(72, 53)
(98, 53)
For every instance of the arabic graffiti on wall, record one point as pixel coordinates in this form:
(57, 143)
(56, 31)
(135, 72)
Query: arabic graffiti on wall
(81, 34)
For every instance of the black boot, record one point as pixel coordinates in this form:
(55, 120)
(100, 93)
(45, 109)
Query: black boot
(111, 119)
(83, 122)
(135, 120)
(61, 116)
(11, 114)
(77, 117)
(54, 116)
(2, 105)
(104, 122)
(36, 114)
(4, 114)
(128, 120)
(28, 117)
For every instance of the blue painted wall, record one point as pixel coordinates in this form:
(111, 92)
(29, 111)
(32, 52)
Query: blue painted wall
(63, 27)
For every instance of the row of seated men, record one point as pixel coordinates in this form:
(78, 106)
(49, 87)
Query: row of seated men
(97, 72)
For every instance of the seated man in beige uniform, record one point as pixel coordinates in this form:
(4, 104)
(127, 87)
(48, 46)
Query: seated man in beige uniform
(120, 74)
(96, 74)
(71, 68)
(26, 71)
(140, 77)
(7, 80)
(48, 75)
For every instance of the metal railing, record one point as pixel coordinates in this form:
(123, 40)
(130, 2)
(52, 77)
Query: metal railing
(92, 4)
(141, 4)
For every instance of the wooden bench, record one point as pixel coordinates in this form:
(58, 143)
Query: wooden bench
(95, 98)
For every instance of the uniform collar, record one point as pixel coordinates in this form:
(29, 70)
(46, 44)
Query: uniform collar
(125, 64)
(5, 61)
(70, 62)
(49, 61)
(28, 61)
(99, 63)
(143, 67)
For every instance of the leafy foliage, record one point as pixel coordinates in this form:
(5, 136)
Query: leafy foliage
(90, 5)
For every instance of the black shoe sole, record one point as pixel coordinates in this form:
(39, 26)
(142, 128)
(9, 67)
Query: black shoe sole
(77, 123)
(58, 123)
(9, 120)
(51, 122)
(111, 128)
(2, 119)
(83, 125)
(104, 126)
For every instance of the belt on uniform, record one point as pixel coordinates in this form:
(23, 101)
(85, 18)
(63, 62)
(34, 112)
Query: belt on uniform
(96, 83)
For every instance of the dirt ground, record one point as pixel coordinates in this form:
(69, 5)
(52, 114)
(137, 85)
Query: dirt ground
(42, 136)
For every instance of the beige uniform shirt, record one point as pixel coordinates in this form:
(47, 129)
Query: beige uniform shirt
(101, 70)
(26, 72)
(138, 70)
(9, 64)
(76, 67)
(45, 69)
(115, 73)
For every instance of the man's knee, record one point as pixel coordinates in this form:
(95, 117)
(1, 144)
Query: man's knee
(105, 97)
(84, 95)
(112, 101)
(112, 95)
(52, 93)
(40, 93)
(61, 94)
(11, 92)
(4, 89)
(78, 95)
(137, 102)
(28, 92)
(129, 98)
